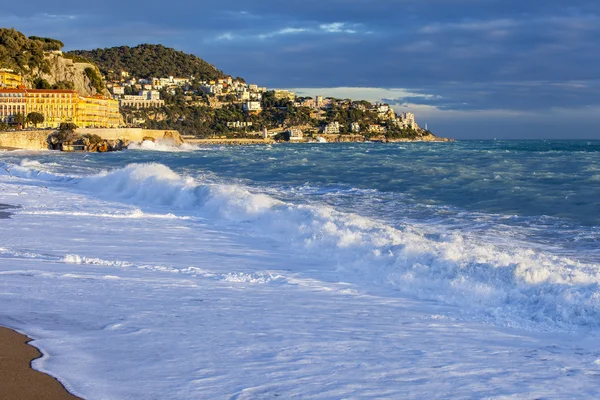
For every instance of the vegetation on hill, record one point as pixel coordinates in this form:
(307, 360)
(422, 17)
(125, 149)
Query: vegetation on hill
(148, 60)
(195, 117)
(23, 54)
(95, 79)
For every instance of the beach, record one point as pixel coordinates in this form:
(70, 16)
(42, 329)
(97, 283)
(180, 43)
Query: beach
(305, 271)
(17, 379)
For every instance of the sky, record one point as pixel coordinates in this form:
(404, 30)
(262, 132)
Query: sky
(469, 69)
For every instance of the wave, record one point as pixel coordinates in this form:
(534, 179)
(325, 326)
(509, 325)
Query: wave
(149, 145)
(508, 283)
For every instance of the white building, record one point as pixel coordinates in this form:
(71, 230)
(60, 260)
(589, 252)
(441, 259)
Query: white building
(244, 95)
(355, 127)
(239, 124)
(407, 120)
(150, 94)
(332, 128)
(118, 90)
(295, 134)
(252, 106)
(383, 109)
(145, 99)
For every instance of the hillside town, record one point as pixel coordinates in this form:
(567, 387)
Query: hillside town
(69, 89)
(142, 102)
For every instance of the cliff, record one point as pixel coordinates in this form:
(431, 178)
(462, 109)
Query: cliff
(62, 69)
(42, 64)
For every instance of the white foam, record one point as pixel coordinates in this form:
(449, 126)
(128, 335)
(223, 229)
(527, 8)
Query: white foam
(506, 283)
(248, 302)
(166, 146)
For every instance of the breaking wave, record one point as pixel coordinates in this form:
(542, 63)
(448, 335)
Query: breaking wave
(167, 146)
(508, 283)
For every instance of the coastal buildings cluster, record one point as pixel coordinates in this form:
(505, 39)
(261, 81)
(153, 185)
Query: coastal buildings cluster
(145, 93)
(56, 106)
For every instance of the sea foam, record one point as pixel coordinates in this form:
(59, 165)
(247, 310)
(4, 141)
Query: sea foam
(510, 284)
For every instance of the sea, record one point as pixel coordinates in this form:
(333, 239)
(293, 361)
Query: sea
(468, 269)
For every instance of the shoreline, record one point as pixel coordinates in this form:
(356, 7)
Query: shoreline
(18, 379)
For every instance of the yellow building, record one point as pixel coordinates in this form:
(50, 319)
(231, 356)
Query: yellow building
(12, 102)
(59, 106)
(97, 111)
(55, 105)
(9, 79)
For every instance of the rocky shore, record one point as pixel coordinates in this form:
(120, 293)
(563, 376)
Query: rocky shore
(72, 141)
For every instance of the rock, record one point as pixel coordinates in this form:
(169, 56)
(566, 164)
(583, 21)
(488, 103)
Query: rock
(103, 147)
(174, 136)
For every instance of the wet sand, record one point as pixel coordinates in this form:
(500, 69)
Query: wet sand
(17, 379)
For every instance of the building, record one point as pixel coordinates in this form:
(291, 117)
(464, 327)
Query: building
(12, 102)
(284, 95)
(295, 134)
(244, 95)
(59, 106)
(319, 101)
(252, 106)
(407, 120)
(239, 124)
(118, 90)
(376, 128)
(332, 128)
(9, 79)
(383, 109)
(97, 112)
(355, 127)
(145, 99)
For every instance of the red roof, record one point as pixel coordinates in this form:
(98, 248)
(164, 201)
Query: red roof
(36, 91)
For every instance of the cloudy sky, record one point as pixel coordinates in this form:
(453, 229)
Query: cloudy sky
(467, 68)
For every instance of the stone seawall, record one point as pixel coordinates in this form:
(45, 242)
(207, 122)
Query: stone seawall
(38, 140)
(133, 134)
(25, 140)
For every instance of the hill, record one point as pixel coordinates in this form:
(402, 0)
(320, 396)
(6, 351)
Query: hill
(43, 65)
(23, 54)
(149, 60)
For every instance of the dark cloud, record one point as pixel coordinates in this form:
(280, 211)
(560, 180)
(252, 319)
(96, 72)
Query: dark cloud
(469, 55)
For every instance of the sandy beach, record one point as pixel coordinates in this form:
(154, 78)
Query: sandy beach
(17, 379)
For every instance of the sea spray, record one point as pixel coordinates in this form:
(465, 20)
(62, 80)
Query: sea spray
(509, 283)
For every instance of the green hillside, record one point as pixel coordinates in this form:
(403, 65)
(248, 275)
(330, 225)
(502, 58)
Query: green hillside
(148, 60)
(23, 54)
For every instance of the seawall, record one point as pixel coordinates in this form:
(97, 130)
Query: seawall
(38, 140)
(25, 140)
(133, 134)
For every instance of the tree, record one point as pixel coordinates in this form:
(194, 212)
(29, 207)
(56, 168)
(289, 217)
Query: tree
(35, 118)
(95, 79)
(18, 119)
(67, 127)
(41, 83)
